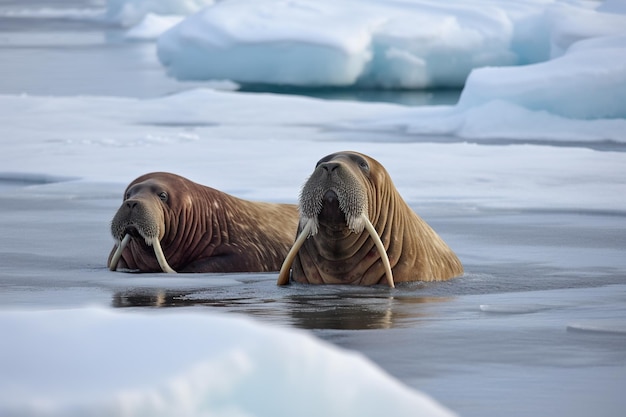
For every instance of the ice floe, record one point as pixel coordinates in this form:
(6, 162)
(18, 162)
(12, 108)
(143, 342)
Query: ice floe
(96, 362)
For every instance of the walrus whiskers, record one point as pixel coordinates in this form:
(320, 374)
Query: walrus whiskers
(118, 252)
(283, 275)
(158, 252)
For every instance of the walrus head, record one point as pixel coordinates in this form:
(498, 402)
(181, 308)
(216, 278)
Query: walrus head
(336, 198)
(335, 193)
(134, 217)
(141, 216)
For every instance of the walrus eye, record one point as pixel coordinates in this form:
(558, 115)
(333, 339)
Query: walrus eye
(163, 196)
(364, 165)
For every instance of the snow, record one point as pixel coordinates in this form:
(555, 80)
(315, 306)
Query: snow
(113, 364)
(525, 178)
(199, 133)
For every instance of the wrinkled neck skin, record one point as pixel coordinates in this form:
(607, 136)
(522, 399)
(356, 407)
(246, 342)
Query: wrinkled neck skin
(345, 257)
(196, 234)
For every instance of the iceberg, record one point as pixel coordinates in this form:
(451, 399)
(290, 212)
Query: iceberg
(373, 43)
(185, 364)
(577, 97)
(587, 82)
(416, 44)
(550, 61)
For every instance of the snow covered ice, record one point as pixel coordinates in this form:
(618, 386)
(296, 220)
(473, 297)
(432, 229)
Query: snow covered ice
(412, 44)
(525, 178)
(185, 365)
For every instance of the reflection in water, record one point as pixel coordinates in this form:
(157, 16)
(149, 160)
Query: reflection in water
(406, 97)
(336, 310)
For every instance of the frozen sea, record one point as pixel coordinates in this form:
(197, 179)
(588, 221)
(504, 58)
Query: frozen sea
(535, 327)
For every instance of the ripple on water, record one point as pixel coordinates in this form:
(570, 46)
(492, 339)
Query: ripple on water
(513, 308)
(611, 326)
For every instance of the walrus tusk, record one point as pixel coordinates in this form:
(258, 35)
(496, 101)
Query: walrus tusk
(118, 252)
(158, 252)
(160, 256)
(381, 249)
(283, 275)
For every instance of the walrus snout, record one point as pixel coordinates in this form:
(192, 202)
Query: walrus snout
(131, 204)
(138, 218)
(133, 220)
(329, 166)
(335, 193)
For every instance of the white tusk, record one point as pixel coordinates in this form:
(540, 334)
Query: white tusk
(160, 256)
(283, 275)
(381, 249)
(118, 252)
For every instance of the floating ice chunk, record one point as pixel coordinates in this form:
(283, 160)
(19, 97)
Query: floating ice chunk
(372, 43)
(269, 42)
(616, 326)
(96, 362)
(587, 82)
(493, 120)
(152, 26)
(434, 46)
(570, 24)
(513, 308)
(500, 119)
(353, 43)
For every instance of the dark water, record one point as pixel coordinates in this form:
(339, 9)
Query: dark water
(404, 97)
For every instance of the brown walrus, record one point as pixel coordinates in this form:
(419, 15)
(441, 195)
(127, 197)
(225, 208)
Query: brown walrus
(355, 228)
(169, 223)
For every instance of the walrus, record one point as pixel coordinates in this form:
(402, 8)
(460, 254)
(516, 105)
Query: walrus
(355, 228)
(171, 224)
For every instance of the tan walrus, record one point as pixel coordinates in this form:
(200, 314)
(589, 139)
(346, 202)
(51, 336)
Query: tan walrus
(169, 223)
(355, 228)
